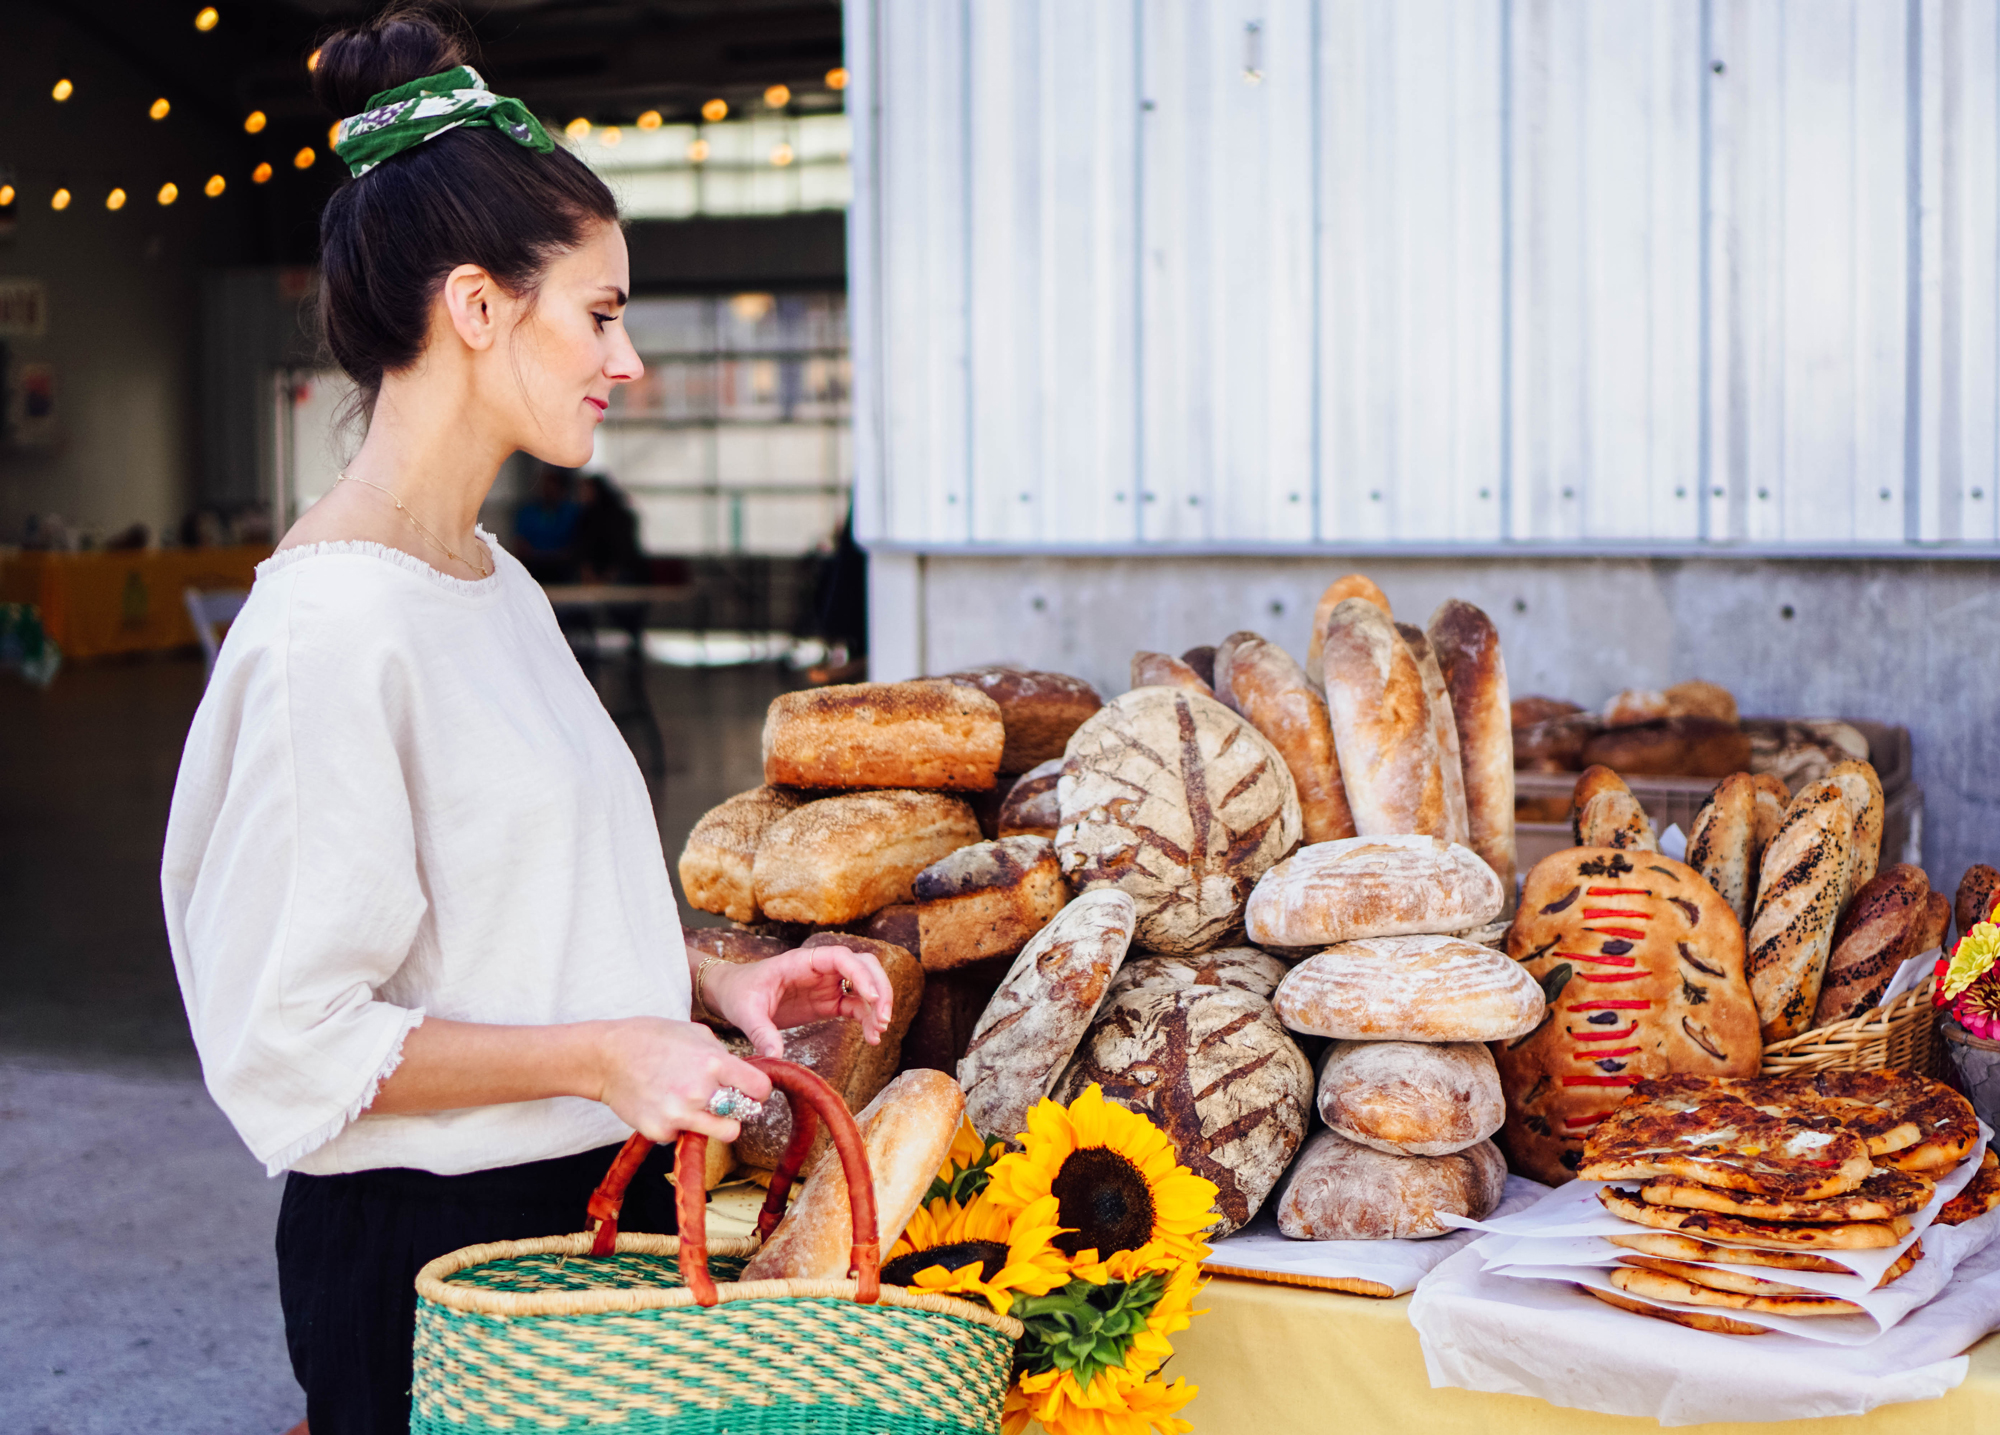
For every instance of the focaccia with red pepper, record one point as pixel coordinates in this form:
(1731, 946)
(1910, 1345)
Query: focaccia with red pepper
(1642, 965)
(1696, 1128)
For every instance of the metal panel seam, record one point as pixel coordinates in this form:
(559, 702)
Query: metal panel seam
(1913, 289)
(1506, 270)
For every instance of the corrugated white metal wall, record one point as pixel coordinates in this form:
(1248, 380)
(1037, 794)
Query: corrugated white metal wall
(1200, 274)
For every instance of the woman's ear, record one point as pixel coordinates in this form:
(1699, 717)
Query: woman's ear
(472, 302)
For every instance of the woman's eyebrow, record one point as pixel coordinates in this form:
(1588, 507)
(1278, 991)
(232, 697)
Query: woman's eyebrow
(618, 296)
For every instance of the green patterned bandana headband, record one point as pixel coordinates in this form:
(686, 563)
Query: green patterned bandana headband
(406, 116)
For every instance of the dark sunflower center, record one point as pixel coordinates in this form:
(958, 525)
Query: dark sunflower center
(991, 1255)
(1104, 1201)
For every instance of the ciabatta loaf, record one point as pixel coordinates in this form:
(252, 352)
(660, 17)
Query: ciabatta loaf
(721, 850)
(1031, 808)
(1411, 1098)
(1390, 758)
(1164, 670)
(1800, 894)
(1038, 710)
(1172, 798)
(1444, 727)
(1263, 683)
(1342, 1191)
(1409, 989)
(930, 733)
(1371, 887)
(1468, 653)
(987, 900)
(907, 1131)
(841, 858)
(1354, 585)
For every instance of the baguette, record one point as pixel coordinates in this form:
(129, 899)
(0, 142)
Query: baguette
(1604, 813)
(1801, 890)
(1437, 700)
(1872, 939)
(1263, 683)
(1772, 799)
(1164, 670)
(1354, 585)
(1861, 790)
(1468, 653)
(1719, 845)
(1390, 759)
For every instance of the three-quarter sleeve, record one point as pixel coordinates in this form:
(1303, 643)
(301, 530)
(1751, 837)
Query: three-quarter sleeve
(290, 875)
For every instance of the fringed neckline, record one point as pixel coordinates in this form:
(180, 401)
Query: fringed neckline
(409, 563)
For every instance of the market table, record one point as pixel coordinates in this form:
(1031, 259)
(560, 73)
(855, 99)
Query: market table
(126, 602)
(1274, 1360)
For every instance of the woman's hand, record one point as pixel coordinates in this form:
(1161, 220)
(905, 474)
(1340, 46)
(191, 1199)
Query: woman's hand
(658, 1075)
(760, 998)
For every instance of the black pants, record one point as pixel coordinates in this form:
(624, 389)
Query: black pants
(350, 1247)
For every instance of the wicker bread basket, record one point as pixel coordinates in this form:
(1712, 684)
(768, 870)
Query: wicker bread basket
(1902, 1036)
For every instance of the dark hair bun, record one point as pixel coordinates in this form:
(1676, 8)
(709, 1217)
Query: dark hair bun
(405, 42)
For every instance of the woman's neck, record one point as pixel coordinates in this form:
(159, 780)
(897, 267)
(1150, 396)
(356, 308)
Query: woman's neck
(430, 452)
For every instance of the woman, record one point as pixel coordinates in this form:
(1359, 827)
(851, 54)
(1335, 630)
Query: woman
(413, 880)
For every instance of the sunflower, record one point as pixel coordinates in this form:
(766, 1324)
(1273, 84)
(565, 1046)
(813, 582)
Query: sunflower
(1115, 1403)
(1115, 1178)
(966, 1166)
(979, 1250)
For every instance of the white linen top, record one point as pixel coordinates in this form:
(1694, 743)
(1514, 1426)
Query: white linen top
(401, 797)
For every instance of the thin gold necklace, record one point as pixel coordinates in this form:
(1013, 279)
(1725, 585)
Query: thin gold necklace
(454, 557)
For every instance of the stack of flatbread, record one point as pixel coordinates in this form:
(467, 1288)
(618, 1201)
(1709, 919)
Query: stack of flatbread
(1778, 1174)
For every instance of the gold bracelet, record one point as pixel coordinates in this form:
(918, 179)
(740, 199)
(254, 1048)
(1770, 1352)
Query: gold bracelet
(701, 999)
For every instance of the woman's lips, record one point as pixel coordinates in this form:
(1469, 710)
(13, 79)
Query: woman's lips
(599, 404)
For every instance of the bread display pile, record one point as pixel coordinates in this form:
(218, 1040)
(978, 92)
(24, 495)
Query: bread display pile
(1691, 729)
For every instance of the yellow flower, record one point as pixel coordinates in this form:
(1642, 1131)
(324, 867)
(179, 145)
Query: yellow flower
(981, 1251)
(1117, 1182)
(1116, 1402)
(1977, 951)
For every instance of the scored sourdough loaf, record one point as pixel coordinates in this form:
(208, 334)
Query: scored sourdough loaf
(987, 900)
(1246, 969)
(1042, 1009)
(907, 1132)
(1444, 728)
(1801, 891)
(1164, 670)
(839, 859)
(1031, 807)
(1642, 962)
(1414, 988)
(1263, 683)
(1604, 813)
(1342, 1191)
(1390, 759)
(1371, 887)
(1872, 939)
(1038, 710)
(1175, 800)
(721, 851)
(1354, 585)
(1411, 1098)
(929, 733)
(1475, 676)
(1214, 1069)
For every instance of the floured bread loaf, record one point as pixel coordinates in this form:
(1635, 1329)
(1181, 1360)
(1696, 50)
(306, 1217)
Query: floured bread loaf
(1262, 682)
(1371, 887)
(907, 1131)
(1042, 1009)
(1354, 585)
(987, 900)
(1604, 813)
(1164, 670)
(879, 1062)
(1411, 1098)
(842, 858)
(1800, 894)
(1390, 758)
(1341, 1191)
(1175, 800)
(1475, 676)
(1419, 988)
(1245, 969)
(930, 733)
(721, 850)
(1038, 710)
(1031, 808)
(1215, 1070)
(1444, 726)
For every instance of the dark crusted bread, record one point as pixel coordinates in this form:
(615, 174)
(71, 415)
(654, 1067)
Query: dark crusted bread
(1978, 893)
(1672, 747)
(1039, 711)
(1202, 660)
(930, 733)
(1031, 808)
(1164, 670)
(987, 900)
(1872, 939)
(906, 985)
(1475, 676)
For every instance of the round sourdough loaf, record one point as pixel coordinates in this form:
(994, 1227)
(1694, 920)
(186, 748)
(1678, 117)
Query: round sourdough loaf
(1341, 1191)
(1410, 989)
(1216, 1071)
(1372, 887)
(1244, 969)
(1042, 1009)
(1411, 1098)
(1175, 800)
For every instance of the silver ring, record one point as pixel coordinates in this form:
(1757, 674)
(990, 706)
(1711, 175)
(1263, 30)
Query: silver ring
(731, 1104)
(846, 987)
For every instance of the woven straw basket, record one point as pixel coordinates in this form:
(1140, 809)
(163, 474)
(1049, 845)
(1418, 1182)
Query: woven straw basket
(631, 1335)
(1902, 1036)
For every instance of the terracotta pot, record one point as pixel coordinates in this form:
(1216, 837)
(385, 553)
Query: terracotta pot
(1977, 1060)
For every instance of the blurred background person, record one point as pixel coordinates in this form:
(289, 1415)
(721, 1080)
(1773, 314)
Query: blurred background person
(545, 528)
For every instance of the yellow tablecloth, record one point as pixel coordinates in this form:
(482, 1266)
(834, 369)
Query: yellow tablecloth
(98, 603)
(1279, 1360)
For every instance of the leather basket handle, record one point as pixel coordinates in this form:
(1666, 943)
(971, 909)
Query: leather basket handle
(811, 1100)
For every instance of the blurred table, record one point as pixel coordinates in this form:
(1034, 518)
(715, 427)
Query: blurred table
(98, 603)
(604, 595)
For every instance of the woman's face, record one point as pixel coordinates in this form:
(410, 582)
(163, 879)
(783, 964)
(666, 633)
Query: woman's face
(570, 349)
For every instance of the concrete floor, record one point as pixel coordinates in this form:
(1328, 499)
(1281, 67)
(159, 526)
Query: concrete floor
(138, 1292)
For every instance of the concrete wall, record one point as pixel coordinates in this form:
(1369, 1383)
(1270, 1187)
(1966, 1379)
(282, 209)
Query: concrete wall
(123, 288)
(1898, 642)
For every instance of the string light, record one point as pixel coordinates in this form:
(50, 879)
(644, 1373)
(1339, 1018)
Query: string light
(6, 195)
(698, 152)
(59, 200)
(333, 134)
(781, 156)
(159, 108)
(712, 111)
(205, 18)
(169, 192)
(578, 129)
(254, 122)
(312, 62)
(612, 135)
(216, 184)
(304, 158)
(260, 174)
(650, 120)
(63, 90)
(778, 96)
(836, 78)
(115, 199)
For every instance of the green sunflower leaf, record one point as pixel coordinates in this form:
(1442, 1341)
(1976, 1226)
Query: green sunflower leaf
(1085, 1328)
